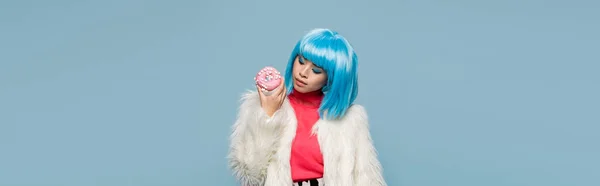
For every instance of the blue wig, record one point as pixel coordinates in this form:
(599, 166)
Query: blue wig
(332, 52)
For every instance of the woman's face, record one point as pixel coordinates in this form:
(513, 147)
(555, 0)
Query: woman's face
(307, 76)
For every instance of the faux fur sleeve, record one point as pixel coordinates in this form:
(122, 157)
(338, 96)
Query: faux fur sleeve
(367, 169)
(253, 140)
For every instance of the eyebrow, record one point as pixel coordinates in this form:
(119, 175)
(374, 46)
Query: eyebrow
(301, 57)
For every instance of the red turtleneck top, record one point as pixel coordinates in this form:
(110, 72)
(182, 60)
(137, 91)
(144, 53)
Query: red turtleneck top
(306, 160)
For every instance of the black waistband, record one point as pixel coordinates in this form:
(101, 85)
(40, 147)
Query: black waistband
(311, 182)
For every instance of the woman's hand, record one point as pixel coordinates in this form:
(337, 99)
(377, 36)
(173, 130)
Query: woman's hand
(273, 102)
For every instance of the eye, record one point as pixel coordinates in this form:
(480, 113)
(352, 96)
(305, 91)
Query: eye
(317, 70)
(301, 60)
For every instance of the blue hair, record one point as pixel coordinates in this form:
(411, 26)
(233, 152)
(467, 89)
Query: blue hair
(332, 52)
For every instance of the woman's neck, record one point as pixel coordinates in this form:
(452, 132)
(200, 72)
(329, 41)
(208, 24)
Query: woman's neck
(312, 99)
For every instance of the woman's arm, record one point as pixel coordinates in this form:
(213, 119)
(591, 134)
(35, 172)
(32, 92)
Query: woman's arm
(367, 170)
(253, 140)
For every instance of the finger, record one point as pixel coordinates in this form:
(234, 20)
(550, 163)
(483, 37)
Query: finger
(282, 97)
(283, 93)
(284, 90)
(281, 87)
(280, 91)
(260, 93)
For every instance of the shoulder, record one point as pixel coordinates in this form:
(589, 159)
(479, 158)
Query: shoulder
(249, 95)
(356, 112)
(356, 117)
(249, 101)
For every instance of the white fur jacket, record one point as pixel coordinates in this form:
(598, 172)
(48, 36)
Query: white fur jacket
(259, 153)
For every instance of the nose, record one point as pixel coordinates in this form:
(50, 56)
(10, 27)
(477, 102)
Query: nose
(303, 73)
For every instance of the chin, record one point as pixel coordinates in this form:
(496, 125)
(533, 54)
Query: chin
(303, 89)
(299, 89)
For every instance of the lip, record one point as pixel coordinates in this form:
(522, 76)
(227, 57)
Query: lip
(300, 83)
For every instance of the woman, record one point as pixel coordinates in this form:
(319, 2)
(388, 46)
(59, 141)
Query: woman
(308, 132)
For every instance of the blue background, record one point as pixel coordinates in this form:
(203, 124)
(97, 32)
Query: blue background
(459, 93)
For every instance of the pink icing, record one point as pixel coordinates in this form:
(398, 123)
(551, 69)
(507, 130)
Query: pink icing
(268, 78)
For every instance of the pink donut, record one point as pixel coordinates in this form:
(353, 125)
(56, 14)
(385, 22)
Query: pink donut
(268, 79)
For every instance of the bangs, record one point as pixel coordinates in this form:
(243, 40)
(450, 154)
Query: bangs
(326, 51)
